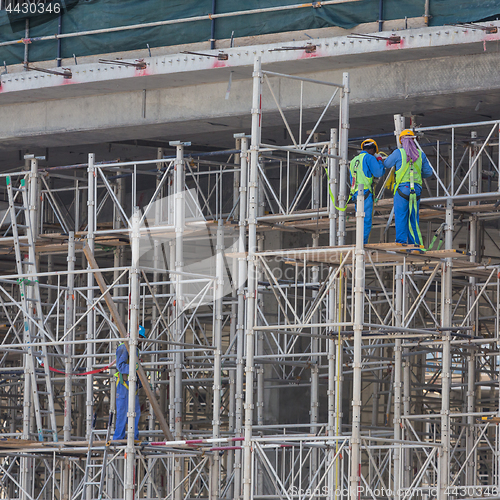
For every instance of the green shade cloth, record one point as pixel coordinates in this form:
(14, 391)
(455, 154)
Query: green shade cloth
(83, 15)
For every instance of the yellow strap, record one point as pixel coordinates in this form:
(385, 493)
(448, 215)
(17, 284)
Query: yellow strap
(119, 379)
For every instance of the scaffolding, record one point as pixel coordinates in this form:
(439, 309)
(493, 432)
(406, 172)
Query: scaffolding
(284, 358)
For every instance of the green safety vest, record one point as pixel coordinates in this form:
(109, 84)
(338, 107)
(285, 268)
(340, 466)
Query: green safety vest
(358, 176)
(409, 171)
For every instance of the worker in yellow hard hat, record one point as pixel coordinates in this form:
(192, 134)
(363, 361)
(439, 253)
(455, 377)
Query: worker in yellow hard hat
(411, 167)
(363, 168)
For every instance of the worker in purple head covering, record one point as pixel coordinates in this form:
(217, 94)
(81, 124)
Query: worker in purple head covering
(411, 167)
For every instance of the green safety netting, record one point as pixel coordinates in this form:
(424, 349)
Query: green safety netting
(84, 15)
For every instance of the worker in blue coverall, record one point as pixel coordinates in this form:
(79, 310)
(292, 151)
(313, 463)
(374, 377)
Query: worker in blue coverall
(123, 368)
(362, 169)
(411, 167)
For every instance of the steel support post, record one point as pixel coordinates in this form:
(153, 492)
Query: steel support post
(359, 291)
(217, 344)
(180, 218)
(133, 356)
(114, 485)
(252, 276)
(154, 317)
(69, 312)
(240, 326)
(446, 323)
(333, 185)
(398, 359)
(344, 154)
(234, 316)
(471, 297)
(236, 177)
(407, 455)
(26, 463)
(89, 403)
(315, 360)
(260, 348)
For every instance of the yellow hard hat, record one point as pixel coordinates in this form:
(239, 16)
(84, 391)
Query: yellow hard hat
(406, 133)
(368, 142)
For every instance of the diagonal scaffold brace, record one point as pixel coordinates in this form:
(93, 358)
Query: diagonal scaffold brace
(123, 333)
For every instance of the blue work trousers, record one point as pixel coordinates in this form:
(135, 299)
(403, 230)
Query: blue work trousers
(402, 214)
(368, 215)
(121, 413)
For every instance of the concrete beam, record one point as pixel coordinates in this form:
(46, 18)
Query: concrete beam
(432, 68)
(416, 86)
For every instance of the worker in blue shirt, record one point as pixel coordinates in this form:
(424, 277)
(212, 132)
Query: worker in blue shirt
(122, 374)
(411, 167)
(362, 169)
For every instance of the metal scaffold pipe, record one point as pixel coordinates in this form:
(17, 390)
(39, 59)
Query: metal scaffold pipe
(446, 323)
(359, 288)
(91, 212)
(241, 313)
(133, 356)
(252, 276)
(180, 221)
(344, 155)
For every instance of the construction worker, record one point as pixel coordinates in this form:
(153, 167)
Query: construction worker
(121, 375)
(363, 168)
(411, 167)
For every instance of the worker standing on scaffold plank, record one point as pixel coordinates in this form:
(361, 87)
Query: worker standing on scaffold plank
(363, 168)
(411, 167)
(121, 375)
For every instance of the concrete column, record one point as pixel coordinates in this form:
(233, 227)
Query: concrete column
(358, 290)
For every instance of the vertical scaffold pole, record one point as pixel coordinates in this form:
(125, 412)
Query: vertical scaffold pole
(359, 290)
(315, 360)
(398, 358)
(68, 362)
(446, 323)
(217, 344)
(252, 275)
(154, 316)
(133, 358)
(399, 125)
(471, 364)
(234, 318)
(344, 155)
(331, 310)
(180, 217)
(333, 174)
(240, 326)
(90, 293)
(26, 462)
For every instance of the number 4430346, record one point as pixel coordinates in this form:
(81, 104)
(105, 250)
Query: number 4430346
(34, 8)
